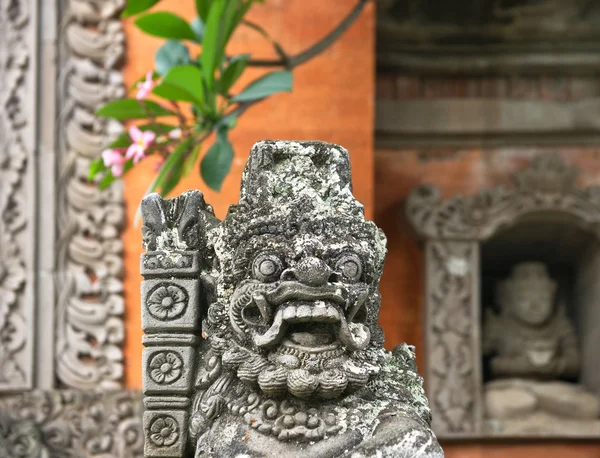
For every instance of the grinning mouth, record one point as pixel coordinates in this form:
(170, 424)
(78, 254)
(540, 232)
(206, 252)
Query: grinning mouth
(308, 316)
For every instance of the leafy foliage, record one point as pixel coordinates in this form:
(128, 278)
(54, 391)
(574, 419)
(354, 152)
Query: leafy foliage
(182, 83)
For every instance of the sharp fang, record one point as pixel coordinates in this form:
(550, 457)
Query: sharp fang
(360, 300)
(263, 306)
(274, 333)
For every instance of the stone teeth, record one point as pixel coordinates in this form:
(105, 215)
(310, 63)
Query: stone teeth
(289, 313)
(321, 313)
(304, 313)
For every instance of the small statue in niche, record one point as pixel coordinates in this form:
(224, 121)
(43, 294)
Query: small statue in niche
(293, 363)
(534, 350)
(531, 337)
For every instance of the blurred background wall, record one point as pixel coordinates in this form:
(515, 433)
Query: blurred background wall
(427, 131)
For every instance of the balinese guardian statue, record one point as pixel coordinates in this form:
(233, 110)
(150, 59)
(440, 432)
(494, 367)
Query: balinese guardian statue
(261, 330)
(534, 361)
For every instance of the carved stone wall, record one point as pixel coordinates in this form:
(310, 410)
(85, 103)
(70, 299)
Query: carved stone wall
(453, 230)
(61, 301)
(71, 424)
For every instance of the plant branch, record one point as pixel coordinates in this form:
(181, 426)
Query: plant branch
(283, 56)
(316, 48)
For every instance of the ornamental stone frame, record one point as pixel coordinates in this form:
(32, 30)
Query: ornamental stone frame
(61, 300)
(454, 231)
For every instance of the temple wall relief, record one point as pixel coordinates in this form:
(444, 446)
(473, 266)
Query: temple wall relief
(61, 303)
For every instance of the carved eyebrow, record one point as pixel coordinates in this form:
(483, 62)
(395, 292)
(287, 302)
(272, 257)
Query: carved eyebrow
(344, 247)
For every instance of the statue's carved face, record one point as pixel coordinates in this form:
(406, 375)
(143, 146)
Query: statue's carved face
(529, 295)
(533, 306)
(305, 306)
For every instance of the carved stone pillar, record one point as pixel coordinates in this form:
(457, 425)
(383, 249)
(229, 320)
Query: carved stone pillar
(452, 307)
(171, 317)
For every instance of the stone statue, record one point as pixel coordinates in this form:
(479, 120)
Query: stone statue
(534, 351)
(292, 362)
(532, 337)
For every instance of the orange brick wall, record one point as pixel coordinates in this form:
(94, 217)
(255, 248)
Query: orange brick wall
(332, 101)
(453, 172)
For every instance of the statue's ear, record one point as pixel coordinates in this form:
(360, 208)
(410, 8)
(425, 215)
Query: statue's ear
(153, 216)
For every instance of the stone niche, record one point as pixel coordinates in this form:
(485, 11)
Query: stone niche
(511, 305)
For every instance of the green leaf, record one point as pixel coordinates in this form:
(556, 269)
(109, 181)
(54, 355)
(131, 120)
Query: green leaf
(198, 27)
(271, 83)
(237, 16)
(132, 109)
(96, 167)
(202, 8)
(191, 160)
(173, 161)
(165, 25)
(236, 67)
(216, 163)
(229, 121)
(183, 82)
(107, 180)
(212, 42)
(137, 6)
(169, 55)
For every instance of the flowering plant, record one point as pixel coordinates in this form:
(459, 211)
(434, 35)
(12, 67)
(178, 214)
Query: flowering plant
(192, 95)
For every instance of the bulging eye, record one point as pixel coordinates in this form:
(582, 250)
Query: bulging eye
(267, 267)
(350, 266)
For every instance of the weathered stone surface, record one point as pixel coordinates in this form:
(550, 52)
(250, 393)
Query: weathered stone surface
(293, 362)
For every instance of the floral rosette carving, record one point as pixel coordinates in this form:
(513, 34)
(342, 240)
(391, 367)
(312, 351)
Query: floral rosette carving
(167, 302)
(166, 367)
(164, 431)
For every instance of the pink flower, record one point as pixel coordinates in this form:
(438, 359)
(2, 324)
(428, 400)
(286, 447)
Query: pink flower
(141, 142)
(145, 87)
(175, 134)
(115, 160)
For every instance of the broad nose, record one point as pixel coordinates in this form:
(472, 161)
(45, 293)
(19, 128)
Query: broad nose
(310, 271)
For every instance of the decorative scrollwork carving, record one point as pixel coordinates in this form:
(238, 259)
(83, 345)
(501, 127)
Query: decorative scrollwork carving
(547, 184)
(16, 152)
(452, 372)
(71, 424)
(90, 265)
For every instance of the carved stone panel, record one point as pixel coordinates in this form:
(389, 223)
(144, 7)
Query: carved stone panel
(454, 380)
(89, 266)
(17, 193)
